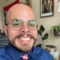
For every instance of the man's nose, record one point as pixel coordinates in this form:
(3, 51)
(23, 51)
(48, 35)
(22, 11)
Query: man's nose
(25, 28)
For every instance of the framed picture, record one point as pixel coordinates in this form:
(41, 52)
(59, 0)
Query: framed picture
(47, 8)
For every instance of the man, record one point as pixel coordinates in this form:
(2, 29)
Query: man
(21, 30)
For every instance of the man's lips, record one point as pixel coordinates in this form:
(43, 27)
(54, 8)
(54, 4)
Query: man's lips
(25, 39)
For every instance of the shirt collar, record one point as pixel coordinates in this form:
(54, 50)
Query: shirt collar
(31, 53)
(15, 54)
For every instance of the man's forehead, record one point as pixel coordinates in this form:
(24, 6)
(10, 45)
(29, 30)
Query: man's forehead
(18, 9)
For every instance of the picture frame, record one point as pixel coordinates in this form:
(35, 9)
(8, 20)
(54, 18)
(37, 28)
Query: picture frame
(47, 8)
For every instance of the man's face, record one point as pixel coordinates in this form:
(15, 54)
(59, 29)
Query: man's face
(22, 38)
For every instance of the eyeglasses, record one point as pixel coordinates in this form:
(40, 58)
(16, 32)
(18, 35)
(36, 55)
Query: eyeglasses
(17, 24)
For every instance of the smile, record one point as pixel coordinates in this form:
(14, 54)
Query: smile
(25, 39)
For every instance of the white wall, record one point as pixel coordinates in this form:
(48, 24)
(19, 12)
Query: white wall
(47, 22)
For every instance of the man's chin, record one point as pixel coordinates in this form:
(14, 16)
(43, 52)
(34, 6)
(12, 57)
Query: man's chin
(25, 48)
(22, 47)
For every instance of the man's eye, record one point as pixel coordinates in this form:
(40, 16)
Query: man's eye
(32, 25)
(15, 24)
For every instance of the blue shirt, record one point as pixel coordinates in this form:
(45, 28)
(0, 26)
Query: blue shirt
(11, 53)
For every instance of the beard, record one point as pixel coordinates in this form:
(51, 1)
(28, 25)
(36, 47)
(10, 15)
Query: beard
(25, 49)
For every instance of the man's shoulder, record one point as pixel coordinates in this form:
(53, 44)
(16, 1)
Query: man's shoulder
(2, 50)
(40, 50)
(42, 53)
(3, 54)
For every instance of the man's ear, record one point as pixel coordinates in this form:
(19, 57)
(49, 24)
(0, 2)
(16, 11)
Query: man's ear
(5, 29)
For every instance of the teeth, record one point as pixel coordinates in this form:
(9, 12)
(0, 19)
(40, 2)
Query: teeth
(25, 39)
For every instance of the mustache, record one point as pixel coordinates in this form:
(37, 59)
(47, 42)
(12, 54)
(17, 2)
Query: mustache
(29, 35)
